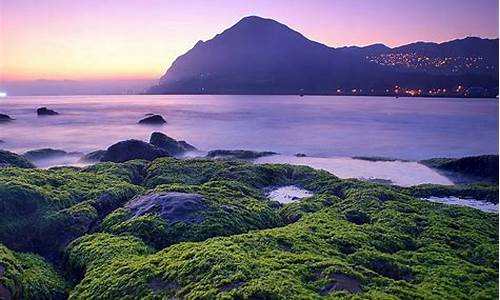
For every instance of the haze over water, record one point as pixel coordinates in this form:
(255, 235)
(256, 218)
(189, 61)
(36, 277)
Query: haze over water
(404, 128)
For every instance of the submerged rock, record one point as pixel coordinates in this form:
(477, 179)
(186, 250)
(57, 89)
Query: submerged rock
(10, 159)
(44, 111)
(174, 147)
(171, 206)
(133, 149)
(300, 155)
(238, 154)
(5, 118)
(153, 120)
(44, 153)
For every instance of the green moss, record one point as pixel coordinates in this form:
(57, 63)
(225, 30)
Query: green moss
(49, 208)
(484, 167)
(230, 208)
(27, 276)
(410, 249)
(132, 171)
(381, 240)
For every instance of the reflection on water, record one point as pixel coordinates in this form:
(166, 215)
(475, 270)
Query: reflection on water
(318, 126)
(396, 172)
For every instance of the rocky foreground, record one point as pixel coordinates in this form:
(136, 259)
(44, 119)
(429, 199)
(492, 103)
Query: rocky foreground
(205, 229)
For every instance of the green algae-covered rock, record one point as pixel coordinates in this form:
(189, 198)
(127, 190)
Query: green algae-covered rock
(28, 276)
(10, 159)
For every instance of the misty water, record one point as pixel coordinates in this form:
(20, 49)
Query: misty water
(329, 130)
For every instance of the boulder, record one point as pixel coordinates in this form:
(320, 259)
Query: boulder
(173, 207)
(44, 111)
(133, 149)
(5, 118)
(9, 159)
(93, 156)
(238, 154)
(153, 120)
(187, 146)
(300, 155)
(44, 153)
(174, 147)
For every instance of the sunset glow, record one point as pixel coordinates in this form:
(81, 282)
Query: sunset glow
(95, 39)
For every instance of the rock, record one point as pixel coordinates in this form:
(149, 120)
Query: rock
(341, 282)
(44, 153)
(44, 111)
(2, 141)
(133, 149)
(93, 156)
(171, 206)
(238, 154)
(174, 147)
(153, 120)
(5, 118)
(300, 155)
(187, 146)
(482, 167)
(9, 159)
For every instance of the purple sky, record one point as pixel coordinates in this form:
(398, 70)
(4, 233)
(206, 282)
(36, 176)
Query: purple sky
(123, 39)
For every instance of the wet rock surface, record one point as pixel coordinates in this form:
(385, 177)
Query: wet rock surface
(174, 147)
(133, 149)
(172, 206)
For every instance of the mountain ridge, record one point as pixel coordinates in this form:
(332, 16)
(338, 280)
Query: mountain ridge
(262, 56)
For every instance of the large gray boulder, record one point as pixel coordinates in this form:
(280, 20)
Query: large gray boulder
(173, 207)
(174, 147)
(133, 149)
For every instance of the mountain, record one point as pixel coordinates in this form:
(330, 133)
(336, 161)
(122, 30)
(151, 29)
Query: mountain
(262, 56)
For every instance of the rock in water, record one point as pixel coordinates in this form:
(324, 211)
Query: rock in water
(187, 146)
(44, 153)
(44, 111)
(94, 156)
(9, 159)
(174, 147)
(133, 149)
(153, 120)
(5, 118)
(238, 154)
(171, 206)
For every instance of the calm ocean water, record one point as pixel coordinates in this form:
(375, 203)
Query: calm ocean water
(405, 128)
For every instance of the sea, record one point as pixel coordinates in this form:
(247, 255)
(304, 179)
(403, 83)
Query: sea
(332, 131)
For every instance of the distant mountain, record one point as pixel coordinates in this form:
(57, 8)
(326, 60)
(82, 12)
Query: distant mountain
(262, 56)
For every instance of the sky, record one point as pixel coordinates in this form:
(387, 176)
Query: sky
(139, 39)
